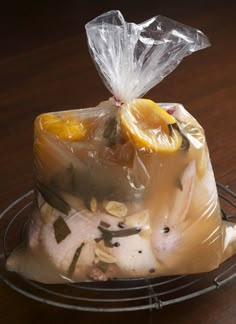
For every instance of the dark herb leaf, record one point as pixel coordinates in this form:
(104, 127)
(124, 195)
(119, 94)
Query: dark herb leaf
(170, 127)
(103, 266)
(152, 270)
(61, 229)
(107, 235)
(75, 260)
(126, 232)
(107, 242)
(185, 143)
(88, 183)
(62, 180)
(111, 132)
(104, 224)
(97, 240)
(179, 184)
(53, 199)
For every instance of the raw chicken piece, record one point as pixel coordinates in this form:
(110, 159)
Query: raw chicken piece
(43, 248)
(170, 241)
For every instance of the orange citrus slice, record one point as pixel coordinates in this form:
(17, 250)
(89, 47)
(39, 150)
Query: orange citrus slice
(66, 126)
(148, 126)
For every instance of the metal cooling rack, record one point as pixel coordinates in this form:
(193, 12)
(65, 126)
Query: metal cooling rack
(115, 295)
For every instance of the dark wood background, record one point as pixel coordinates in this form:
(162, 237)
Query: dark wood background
(45, 66)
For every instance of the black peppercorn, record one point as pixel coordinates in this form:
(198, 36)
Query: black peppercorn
(166, 229)
(121, 225)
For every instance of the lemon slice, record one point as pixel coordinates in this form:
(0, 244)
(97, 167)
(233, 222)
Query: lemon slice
(66, 126)
(148, 126)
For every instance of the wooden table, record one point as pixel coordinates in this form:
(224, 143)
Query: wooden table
(45, 71)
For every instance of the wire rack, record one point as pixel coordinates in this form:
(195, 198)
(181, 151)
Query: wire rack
(115, 295)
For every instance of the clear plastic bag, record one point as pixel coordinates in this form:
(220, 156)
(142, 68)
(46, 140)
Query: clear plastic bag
(132, 58)
(125, 189)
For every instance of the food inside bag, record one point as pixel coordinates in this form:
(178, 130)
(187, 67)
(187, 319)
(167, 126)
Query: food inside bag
(125, 189)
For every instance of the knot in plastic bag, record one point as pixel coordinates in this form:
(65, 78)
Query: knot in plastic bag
(131, 58)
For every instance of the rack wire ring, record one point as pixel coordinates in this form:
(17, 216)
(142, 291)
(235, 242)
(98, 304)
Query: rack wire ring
(111, 296)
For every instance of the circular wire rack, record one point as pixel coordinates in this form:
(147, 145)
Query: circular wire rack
(114, 295)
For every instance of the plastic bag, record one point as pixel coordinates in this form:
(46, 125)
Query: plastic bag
(125, 189)
(132, 58)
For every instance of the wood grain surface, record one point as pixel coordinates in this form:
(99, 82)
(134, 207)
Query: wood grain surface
(45, 66)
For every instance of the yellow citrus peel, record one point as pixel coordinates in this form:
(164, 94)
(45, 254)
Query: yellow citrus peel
(65, 126)
(148, 126)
